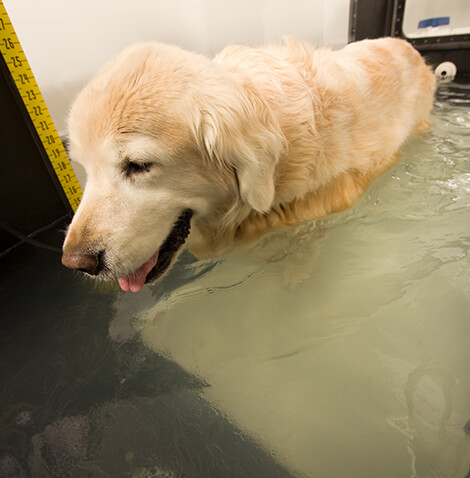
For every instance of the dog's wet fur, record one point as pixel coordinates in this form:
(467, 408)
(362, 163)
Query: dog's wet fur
(250, 141)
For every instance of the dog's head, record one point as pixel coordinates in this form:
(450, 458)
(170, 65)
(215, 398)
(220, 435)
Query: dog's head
(168, 140)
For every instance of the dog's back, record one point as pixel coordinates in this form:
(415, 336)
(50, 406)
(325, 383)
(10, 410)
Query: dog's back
(345, 115)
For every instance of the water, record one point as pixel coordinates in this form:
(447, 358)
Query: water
(336, 349)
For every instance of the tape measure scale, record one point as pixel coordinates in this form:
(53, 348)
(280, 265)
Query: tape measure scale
(29, 91)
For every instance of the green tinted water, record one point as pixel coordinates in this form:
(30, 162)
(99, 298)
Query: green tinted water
(336, 349)
(344, 347)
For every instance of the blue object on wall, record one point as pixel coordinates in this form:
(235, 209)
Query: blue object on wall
(434, 22)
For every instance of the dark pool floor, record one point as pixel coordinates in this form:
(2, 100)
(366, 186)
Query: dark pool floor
(73, 403)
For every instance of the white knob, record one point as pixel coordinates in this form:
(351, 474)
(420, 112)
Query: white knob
(445, 71)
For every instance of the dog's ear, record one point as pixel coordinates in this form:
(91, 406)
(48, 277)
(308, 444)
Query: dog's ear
(238, 139)
(256, 183)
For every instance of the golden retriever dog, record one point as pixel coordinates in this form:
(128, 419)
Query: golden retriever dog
(180, 149)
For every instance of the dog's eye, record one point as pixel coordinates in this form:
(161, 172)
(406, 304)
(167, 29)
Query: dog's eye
(132, 168)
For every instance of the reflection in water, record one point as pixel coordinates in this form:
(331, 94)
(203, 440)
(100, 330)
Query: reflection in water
(336, 349)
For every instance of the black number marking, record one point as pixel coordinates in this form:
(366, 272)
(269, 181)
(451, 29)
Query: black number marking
(9, 45)
(31, 95)
(37, 110)
(24, 78)
(16, 61)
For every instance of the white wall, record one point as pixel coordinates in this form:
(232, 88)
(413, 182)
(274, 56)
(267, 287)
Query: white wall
(66, 41)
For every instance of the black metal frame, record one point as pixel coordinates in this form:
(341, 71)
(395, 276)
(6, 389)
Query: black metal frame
(31, 198)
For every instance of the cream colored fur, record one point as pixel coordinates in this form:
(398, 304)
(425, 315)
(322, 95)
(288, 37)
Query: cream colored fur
(252, 140)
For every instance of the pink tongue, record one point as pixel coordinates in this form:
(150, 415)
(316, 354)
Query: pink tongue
(136, 280)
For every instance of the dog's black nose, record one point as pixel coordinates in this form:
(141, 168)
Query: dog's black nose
(82, 261)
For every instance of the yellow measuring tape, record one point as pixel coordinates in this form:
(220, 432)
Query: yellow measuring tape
(28, 89)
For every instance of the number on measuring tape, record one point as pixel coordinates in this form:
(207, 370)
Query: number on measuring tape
(30, 93)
